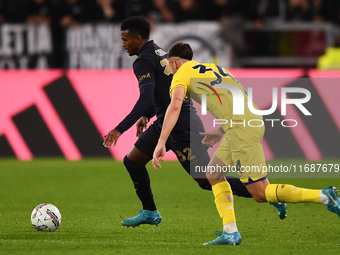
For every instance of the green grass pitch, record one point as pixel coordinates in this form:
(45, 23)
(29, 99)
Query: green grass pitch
(95, 195)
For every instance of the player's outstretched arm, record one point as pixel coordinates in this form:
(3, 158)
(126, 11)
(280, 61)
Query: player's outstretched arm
(212, 137)
(170, 120)
(111, 138)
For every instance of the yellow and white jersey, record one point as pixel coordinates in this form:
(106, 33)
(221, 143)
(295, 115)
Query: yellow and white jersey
(219, 90)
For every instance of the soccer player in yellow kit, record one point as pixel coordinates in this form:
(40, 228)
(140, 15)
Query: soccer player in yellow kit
(241, 144)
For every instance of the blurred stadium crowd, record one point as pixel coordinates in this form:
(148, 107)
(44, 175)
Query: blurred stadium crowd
(65, 13)
(234, 17)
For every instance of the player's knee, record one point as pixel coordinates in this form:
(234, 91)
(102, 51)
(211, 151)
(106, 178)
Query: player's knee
(214, 175)
(129, 165)
(126, 162)
(260, 198)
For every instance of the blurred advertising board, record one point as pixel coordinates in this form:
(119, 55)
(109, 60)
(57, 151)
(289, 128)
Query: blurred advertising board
(55, 113)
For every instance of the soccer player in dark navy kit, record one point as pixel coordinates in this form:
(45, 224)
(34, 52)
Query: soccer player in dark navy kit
(154, 77)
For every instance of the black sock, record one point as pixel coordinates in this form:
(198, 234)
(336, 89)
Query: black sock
(140, 177)
(236, 185)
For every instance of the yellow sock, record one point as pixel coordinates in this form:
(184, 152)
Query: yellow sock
(291, 194)
(225, 208)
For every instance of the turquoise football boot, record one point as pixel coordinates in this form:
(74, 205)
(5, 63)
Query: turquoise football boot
(225, 239)
(144, 217)
(333, 204)
(282, 209)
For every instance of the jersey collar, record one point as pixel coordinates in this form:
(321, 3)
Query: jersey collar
(188, 63)
(149, 43)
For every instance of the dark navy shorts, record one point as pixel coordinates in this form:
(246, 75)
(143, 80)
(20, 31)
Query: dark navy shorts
(185, 143)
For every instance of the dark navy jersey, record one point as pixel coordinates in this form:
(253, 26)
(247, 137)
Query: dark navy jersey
(154, 78)
(152, 68)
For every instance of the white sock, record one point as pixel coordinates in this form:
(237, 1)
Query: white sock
(323, 198)
(230, 227)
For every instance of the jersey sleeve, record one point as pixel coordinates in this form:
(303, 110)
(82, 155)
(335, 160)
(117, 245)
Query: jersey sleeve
(142, 108)
(180, 79)
(150, 113)
(144, 71)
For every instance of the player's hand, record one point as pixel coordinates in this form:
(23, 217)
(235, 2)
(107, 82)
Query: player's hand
(158, 155)
(141, 125)
(211, 137)
(111, 137)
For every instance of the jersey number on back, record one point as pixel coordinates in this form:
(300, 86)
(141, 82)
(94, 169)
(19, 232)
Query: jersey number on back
(164, 62)
(204, 69)
(167, 70)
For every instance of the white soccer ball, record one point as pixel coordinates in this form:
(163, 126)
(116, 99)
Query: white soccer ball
(46, 217)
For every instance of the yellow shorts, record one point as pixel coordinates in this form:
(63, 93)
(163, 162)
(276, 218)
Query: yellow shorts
(242, 151)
